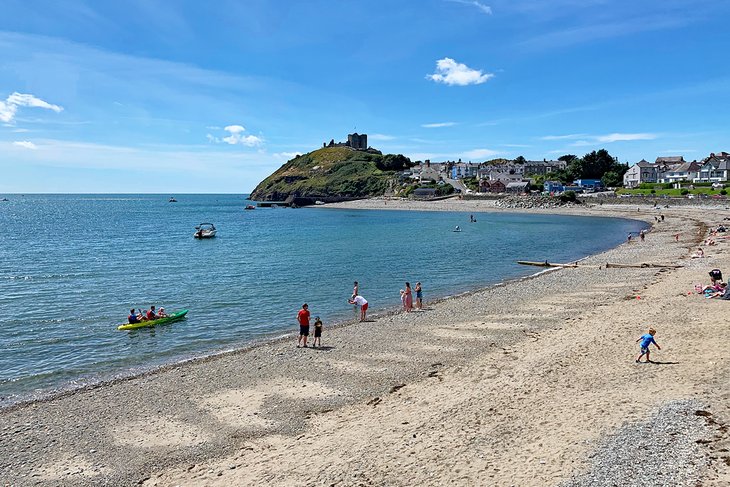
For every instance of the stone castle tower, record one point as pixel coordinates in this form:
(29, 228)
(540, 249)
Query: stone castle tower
(357, 141)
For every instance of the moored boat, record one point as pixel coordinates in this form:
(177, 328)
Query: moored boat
(176, 316)
(205, 230)
(250, 207)
(172, 199)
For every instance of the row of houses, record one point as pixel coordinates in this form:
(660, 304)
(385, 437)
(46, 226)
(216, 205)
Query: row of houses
(712, 169)
(509, 172)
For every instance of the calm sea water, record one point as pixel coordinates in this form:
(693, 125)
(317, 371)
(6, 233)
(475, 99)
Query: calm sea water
(71, 266)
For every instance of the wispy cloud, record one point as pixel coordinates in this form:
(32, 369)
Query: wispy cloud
(381, 137)
(480, 153)
(236, 137)
(438, 125)
(286, 155)
(452, 73)
(583, 140)
(516, 146)
(485, 9)
(624, 137)
(9, 107)
(25, 143)
(562, 137)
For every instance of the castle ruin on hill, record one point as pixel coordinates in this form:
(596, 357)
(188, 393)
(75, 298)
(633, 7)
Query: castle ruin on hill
(355, 141)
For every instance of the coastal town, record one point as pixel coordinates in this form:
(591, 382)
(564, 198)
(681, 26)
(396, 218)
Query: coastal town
(521, 175)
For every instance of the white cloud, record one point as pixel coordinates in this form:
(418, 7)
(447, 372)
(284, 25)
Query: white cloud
(380, 137)
(9, 107)
(451, 73)
(234, 129)
(587, 140)
(480, 153)
(285, 155)
(236, 137)
(485, 9)
(623, 137)
(25, 143)
(437, 125)
(562, 137)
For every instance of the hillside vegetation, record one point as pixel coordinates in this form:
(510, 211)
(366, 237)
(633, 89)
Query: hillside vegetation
(332, 172)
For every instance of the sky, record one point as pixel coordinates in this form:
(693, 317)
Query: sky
(184, 96)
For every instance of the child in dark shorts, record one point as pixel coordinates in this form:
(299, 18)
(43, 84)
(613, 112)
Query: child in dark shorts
(317, 332)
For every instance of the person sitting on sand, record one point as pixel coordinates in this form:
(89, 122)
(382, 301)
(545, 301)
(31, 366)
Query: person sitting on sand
(699, 254)
(646, 340)
(715, 276)
(718, 286)
(363, 303)
(317, 332)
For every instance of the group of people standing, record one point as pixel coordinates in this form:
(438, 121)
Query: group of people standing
(406, 297)
(356, 299)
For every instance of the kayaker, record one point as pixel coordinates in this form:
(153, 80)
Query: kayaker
(162, 313)
(133, 318)
(151, 315)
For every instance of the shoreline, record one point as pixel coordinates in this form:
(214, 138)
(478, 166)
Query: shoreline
(276, 338)
(492, 386)
(91, 381)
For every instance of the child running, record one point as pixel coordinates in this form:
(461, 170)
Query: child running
(646, 340)
(317, 333)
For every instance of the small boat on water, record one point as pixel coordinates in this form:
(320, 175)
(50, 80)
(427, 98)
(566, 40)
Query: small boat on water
(250, 207)
(457, 228)
(176, 316)
(205, 230)
(4, 199)
(172, 199)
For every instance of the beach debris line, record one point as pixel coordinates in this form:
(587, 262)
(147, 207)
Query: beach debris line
(601, 266)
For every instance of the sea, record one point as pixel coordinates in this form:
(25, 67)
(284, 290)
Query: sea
(71, 267)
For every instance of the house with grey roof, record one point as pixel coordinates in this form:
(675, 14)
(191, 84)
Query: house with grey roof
(541, 168)
(641, 172)
(714, 169)
(675, 173)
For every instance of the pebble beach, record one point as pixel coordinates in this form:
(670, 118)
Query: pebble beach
(531, 382)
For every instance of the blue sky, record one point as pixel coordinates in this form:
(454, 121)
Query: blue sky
(181, 96)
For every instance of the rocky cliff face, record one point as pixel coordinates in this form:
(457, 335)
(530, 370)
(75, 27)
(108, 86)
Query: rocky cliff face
(332, 172)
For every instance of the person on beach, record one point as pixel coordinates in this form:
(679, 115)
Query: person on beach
(355, 289)
(715, 276)
(363, 303)
(409, 297)
(699, 254)
(628, 238)
(419, 296)
(646, 340)
(676, 237)
(303, 319)
(642, 235)
(317, 333)
(403, 298)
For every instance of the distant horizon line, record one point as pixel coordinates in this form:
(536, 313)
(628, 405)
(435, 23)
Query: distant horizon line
(114, 193)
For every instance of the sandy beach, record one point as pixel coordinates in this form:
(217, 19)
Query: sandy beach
(531, 383)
